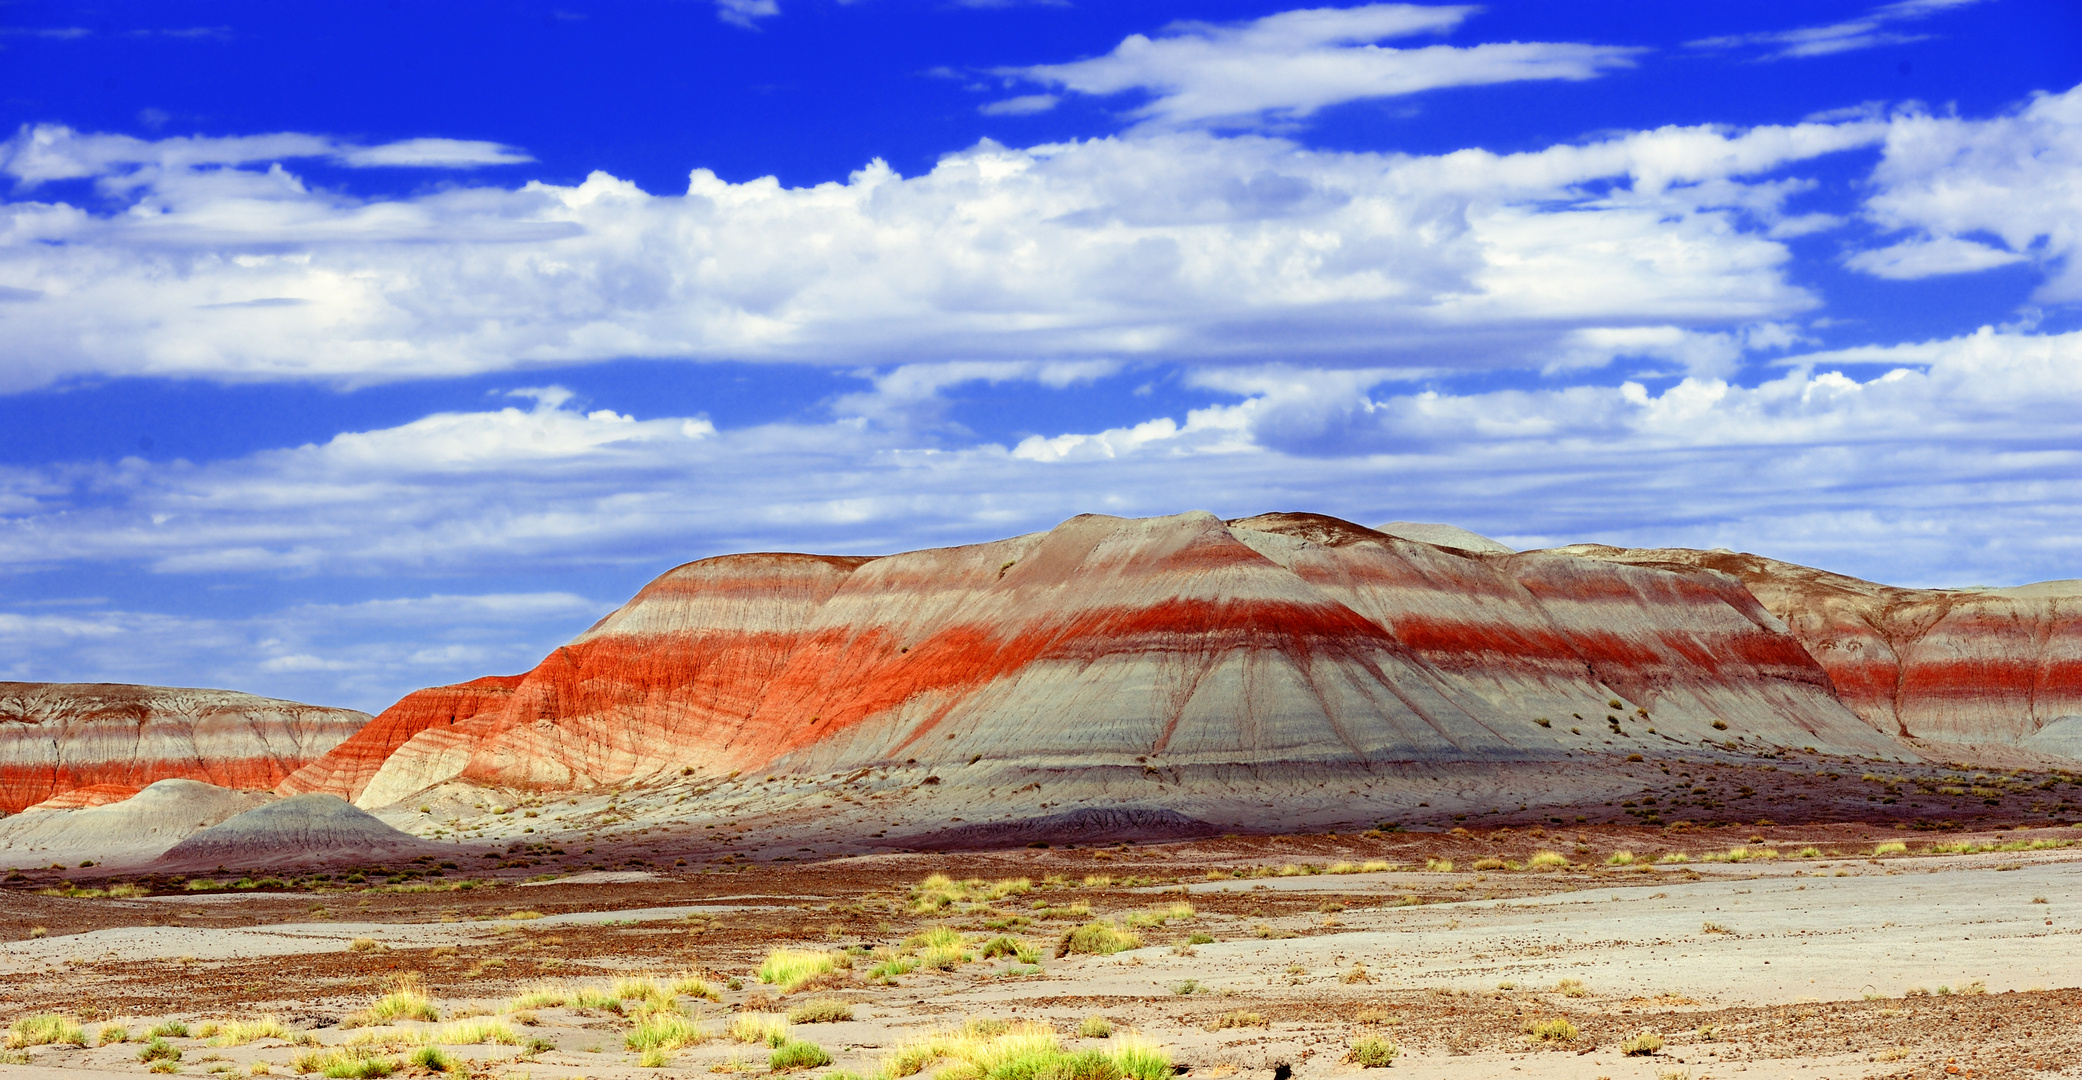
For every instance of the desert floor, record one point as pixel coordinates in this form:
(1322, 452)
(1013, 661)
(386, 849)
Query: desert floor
(1811, 957)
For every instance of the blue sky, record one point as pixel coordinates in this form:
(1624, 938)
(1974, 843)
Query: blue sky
(351, 348)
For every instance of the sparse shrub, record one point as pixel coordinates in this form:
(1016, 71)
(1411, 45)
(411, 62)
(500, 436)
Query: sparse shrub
(1710, 927)
(239, 1033)
(524, 916)
(1674, 857)
(169, 1029)
(111, 1035)
(754, 1028)
(474, 1032)
(1098, 938)
(694, 986)
(1095, 1027)
(44, 1029)
(1373, 1052)
(1545, 859)
(1439, 866)
(1572, 988)
(1642, 1044)
(1140, 1060)
(1891, 847)
(348, 1064)
(788, 969)
(1557, 1029)
(1239, 1019)
(1620, 858)
(158, 1050)
(432, 1059)
(362, 944)
(797, 1054)
(407, 1000)
(1186, 988)
(820, 1011)
(664, 1030)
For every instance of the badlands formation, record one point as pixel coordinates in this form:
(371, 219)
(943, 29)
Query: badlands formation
(1282, 798)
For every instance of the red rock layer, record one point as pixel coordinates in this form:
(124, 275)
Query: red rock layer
(1972, 665)
(92, 795)
(347, 769)
(59, 737)
(1283, 639)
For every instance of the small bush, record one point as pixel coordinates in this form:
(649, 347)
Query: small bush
(797, 1054)
(473, 1032)
(1098, 938)
(1710, 927)
(788, 969)
(44, 1029)
(694, 986)
(537, 997)
(1443, 866)
(820, 1011)
(345, 1064)
(407, 1000)
(1620, 858)
(159, 1050)
(1373, 1052)
(1239, 1019)
(1891, 847)
(664, 1030)
(1095, 1027)
(1545, 859)
(239, 1033)
(111, 1035)
(1572, 988)
(432, 1059)
(169, 1029)
(1555, 1030)
(759, 1028)
(1143, 1061)
(1642, 1045)
(362, 944)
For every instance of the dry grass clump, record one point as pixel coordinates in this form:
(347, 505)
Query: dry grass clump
(994, 1051)
(474, 1032)
(1095, 1027)
(1557, 1029)
(756, 1028)
(1239, 1019)
(1572, 988)
(789, 969)
(797, 1054)
(1439, 866)
(1098, 938)
(1158, 916)
(45, 1029)
(694, 986)
(664, 1030)
(1674, 857)
(1642, 1044)
(342, 1062)
(820, 1011)
(1891, 847)
(523, 916)
(1620, 858)
(407, 1000)
(1372, 1052)
(1543, 860)
(168, 1029)
(1710, 927)
(241, 1032)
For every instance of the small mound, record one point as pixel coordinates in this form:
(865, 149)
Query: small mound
(2061, 735)
(132, 829)
(1092, 825)
(1452, 536)
(301, 828)
(80, 798)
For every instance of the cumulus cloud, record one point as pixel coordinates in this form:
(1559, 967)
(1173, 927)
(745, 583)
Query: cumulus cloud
(222, 263)
(1975, 194)
(45, 152)
(1873, 29)
(362, 655)
(747, 13)
(1288, 66)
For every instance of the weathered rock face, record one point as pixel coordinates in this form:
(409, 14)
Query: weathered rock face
(348, 768)
(58, 737)
(1284, 641)
(1965, 665)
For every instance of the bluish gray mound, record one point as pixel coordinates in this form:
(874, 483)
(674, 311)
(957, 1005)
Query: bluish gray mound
(301, 828)
(1092, 825)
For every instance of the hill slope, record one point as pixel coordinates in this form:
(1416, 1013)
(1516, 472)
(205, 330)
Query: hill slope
(59, 737)
(1283, 648)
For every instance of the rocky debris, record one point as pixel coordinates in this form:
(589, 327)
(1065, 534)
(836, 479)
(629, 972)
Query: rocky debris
(58, 737)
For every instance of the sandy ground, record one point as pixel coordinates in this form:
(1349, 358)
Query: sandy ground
(1838, 966)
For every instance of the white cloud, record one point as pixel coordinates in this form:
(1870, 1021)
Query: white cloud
(1288, 66)
(1960, 186)
(747, 13)
(1968, 445)
(432, 154)
(123, 163)
(1165, 245)
(1023, 105)
(1866, 32)
(362, 654)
